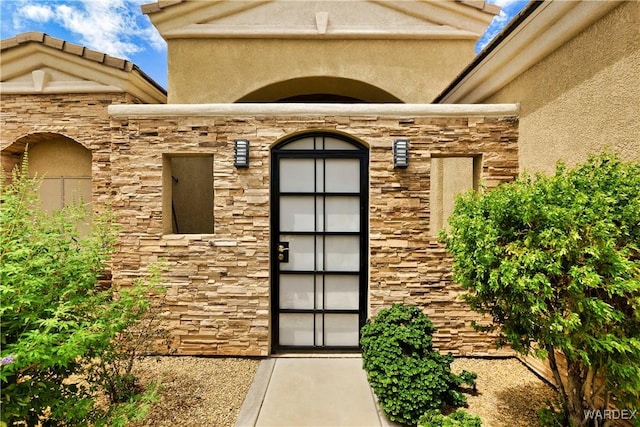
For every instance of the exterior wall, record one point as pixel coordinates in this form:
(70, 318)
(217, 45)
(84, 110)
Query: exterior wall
(79, 117)
(59, 157)
(225, 70)
(218, 300)
(583, 97)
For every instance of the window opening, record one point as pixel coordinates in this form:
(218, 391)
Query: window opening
(188, 194)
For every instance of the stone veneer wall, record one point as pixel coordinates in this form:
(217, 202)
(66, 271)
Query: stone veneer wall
(218, 284)
(27, 119)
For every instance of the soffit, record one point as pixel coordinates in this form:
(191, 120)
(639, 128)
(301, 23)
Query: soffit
(35, 63)
(321, 19)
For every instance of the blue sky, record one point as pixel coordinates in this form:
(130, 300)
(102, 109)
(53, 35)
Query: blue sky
(118, 27)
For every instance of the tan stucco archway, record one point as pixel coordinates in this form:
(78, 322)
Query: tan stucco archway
(320, 89)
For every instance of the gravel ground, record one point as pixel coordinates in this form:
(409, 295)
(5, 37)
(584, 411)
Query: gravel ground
(508, 394)
(199, 392)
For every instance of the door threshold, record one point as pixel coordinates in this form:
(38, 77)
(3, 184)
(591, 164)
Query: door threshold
(299, 355)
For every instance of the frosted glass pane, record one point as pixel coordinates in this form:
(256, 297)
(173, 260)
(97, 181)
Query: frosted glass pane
(296, 291)
(301, 253)
(341, 329)
(320, 175)
(342, 253)
(319, 293)
(296, 329)
(337, 144)
(320, 214)
(297, 175)
(342, 175)
(320, 253)
(342, 213)
(297, 213)
(300, 144)
(342, 292)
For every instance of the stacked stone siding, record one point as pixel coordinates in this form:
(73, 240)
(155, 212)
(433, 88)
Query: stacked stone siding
(218, 299)
(27, 119)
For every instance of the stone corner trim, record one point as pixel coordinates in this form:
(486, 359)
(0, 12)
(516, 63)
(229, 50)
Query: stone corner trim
(377, 110)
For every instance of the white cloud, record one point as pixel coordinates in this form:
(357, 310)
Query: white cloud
(496, 25)
(504, 3)
(116, 27)
(37, 12)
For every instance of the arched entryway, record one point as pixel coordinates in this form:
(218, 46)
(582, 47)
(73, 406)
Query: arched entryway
(63, 164)
(320, 89)
(319, 223)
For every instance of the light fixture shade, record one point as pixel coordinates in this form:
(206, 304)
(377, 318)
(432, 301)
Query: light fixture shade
(241, 153)
(400, 153)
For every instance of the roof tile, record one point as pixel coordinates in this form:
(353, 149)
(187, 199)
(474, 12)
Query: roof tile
(114, 62)
(73, 48)
(31, 36)
(53, 42)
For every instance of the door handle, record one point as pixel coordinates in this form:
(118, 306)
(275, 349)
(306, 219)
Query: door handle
(283, 251)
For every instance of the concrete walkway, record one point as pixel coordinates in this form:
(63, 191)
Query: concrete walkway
(311, 391)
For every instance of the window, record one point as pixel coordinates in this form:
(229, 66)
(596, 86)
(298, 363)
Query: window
(187, 194)
(450, 176)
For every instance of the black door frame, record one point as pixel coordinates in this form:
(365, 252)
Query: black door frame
(360, 152)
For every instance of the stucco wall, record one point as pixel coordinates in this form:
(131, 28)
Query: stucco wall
(225, 70)
(583, 97)
(218, 299)
(59, 156)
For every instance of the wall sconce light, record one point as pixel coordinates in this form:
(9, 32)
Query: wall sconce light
(241, 153)
(400, 153)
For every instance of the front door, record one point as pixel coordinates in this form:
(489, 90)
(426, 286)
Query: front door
(319, 242)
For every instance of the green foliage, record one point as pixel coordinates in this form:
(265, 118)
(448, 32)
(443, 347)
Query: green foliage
(56, 322)
(407, 374)
(460, 418)
(555, 262)
(551, 416)
(140, 311)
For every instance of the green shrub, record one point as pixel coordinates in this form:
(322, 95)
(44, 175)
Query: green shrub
(57, 324)
(555, 262)
(460, 418)
(407, 374)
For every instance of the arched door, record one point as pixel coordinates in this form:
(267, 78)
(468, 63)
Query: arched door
(319, 242)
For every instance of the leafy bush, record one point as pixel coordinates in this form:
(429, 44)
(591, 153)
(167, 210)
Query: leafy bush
(407, 374)
(555, 261)
(56, 322)
(460, 418)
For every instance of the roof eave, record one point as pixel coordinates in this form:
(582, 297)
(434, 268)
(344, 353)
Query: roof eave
(538, 30)
(130, 77)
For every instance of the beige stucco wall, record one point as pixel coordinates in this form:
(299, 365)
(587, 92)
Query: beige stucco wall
(225, 70)
(583, 97)
(59, 156)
